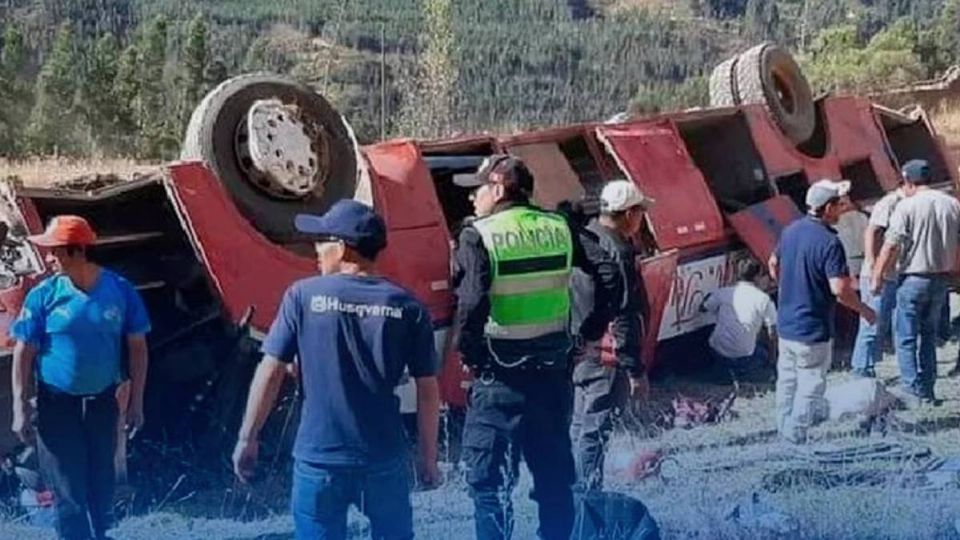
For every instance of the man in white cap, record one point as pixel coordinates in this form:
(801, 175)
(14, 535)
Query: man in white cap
(811, 267)
(609, 371)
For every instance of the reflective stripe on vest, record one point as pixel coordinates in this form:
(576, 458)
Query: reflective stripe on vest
(531, 254)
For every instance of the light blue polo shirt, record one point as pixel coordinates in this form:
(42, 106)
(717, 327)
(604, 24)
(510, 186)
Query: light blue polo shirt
(79, 336)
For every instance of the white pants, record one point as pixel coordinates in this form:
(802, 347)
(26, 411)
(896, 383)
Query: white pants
(801, 381)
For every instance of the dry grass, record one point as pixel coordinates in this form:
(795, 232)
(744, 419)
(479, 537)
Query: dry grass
(691, 502)
(43, 171)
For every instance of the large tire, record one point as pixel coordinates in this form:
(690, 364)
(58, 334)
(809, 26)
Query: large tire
(767, 74)
(211, 137)
(723, 84)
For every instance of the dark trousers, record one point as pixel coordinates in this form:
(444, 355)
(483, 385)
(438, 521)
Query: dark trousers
(76, 438)
(514, 415)
(322, 495)
(600, 395)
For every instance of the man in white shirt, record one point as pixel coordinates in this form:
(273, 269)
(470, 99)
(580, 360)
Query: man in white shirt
(742, 310)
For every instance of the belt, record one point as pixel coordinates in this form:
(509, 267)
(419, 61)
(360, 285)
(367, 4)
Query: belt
(927, 274)
(54, 391)
(489, 375)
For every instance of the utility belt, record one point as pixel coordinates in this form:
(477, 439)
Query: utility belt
(505, 357)
(490, 374)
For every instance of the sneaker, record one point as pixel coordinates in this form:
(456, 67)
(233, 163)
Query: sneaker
(864, 373)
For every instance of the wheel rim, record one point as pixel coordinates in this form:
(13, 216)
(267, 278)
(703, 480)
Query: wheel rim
(282, 152)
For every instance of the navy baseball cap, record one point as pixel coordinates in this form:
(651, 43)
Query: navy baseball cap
(352, 222)
(917, 172)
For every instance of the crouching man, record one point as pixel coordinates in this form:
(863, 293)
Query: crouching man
(352, 334)
(742, 310)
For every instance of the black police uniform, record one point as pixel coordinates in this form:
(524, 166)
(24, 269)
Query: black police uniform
(601, 391)
(522, 411)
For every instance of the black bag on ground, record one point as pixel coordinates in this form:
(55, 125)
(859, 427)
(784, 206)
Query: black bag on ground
(605, 515)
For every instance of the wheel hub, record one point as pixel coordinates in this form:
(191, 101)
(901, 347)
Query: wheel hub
(278, 151)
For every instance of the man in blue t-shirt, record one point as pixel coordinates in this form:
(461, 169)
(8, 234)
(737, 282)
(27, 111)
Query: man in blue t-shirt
(71, 333)
(352, 335)
(811, 267)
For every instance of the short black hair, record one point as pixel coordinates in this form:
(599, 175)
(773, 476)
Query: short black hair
(748, 269)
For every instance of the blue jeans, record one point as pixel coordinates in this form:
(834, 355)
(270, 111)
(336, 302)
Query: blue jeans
(919, 302)
(868, 349)
(323, 494)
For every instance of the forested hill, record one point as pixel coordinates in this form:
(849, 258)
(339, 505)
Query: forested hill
(114, 77)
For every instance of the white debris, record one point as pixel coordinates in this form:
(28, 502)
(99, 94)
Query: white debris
(858, 398)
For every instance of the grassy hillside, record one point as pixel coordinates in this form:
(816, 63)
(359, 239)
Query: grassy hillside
(503, 64)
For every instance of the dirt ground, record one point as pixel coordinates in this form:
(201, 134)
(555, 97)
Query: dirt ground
(711, 469)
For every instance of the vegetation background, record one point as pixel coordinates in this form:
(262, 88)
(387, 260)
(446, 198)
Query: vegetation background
(107, 78)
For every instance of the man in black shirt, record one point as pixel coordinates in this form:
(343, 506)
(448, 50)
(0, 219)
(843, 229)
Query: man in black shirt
(609, 370)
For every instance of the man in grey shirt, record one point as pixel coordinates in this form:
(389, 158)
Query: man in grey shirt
(922, 238)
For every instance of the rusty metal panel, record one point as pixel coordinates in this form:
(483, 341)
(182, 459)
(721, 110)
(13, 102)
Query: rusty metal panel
(658, 274)
(417, 255)
(760, 225)
(654, 156)
(402, 186)
(780, 157)
(554, 179)
(855, 134)
(246, 268)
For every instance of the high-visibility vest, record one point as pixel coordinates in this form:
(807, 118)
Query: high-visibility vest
(531, 255)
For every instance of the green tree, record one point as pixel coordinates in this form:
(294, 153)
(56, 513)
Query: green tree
(839, 61)
(16, 92)
(98, 102)
(762, 20)
(53, 120)
(946, 36)
(14, 55)
(193, 76)
(430, 103)
(263, 55)
(126, 91)
(154, 109)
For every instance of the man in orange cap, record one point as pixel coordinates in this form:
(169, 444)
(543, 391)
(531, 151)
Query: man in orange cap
(77, 323)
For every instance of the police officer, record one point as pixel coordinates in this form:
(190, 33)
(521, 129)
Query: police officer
(608, 371)
(513, 271)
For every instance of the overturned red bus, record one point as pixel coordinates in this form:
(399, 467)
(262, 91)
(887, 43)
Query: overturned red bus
(210, 244)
